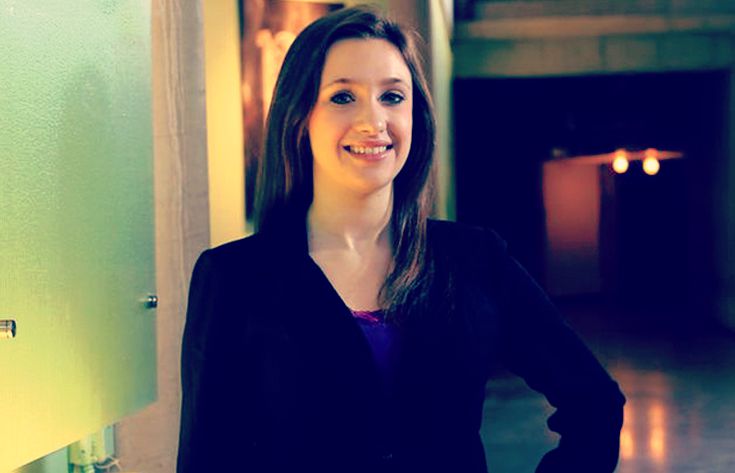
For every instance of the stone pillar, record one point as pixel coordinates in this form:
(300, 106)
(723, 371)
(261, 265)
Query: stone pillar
(148, 441)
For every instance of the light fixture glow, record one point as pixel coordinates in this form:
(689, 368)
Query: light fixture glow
(657, 434)
(620, 163)
(651, 166)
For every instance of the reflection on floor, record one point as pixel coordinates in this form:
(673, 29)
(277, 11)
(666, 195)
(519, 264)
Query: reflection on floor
(679, 381)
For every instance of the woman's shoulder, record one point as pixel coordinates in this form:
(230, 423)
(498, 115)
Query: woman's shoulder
(236, 248)
(444, 236)
(236, 254)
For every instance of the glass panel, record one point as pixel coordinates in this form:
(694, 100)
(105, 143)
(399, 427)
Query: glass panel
(76, 221)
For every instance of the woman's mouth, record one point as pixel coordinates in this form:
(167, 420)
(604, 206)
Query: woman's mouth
(368, 152)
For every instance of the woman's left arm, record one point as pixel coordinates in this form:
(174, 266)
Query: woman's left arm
(541, 348)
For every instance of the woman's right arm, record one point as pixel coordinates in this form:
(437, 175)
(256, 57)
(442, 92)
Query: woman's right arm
(539, 346)
(212, 435)
(194, 440)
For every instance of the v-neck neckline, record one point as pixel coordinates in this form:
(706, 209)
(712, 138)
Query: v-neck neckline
(325, 280)
(290, 239)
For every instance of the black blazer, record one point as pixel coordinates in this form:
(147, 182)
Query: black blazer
(278, 377)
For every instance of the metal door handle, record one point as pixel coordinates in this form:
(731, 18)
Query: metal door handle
(7, 329)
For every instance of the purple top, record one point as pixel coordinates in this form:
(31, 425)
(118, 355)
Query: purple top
(382, 337)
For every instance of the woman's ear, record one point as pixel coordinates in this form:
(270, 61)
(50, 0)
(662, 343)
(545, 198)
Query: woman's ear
(307, 120)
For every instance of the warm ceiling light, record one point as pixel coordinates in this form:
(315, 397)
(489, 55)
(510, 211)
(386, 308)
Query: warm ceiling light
(651, 166)
(620, 163)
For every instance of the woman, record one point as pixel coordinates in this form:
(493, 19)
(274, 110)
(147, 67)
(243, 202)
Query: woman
(351, 333)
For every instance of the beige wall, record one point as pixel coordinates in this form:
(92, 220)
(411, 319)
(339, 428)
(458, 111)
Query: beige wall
(224, 121)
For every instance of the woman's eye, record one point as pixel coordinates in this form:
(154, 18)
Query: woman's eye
(342, 98)
(392, 98)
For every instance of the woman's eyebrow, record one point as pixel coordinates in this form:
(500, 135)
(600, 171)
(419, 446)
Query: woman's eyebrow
(346, 81)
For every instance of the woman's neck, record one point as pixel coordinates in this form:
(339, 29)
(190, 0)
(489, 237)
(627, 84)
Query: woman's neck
(348, 221)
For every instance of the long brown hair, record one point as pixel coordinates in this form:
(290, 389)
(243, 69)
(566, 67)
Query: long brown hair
(284, 188)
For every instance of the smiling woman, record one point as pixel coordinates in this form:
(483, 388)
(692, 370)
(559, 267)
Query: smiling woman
(352, 333)
(360, 126)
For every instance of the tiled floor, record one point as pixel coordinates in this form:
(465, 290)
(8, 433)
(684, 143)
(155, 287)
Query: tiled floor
(680, 386)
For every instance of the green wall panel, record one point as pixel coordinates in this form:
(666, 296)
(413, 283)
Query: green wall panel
(76, 221)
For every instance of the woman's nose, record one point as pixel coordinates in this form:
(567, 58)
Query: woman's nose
(371, 119)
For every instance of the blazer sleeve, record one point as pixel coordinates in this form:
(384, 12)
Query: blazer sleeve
(207, 424)
(539, 346)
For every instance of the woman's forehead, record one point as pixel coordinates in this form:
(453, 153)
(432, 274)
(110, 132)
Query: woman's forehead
(364, 61)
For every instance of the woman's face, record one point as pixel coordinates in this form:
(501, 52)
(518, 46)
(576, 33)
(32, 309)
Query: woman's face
(360, 126)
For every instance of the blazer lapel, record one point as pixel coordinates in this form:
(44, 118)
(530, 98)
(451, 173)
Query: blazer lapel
(313, 309)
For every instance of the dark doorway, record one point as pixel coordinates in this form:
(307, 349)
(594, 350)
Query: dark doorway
(656, 232)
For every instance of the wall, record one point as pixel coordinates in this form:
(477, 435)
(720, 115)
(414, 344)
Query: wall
(224, 121)
(440, 48)
(572, 203)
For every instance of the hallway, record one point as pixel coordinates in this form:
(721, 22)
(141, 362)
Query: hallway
(680, 387)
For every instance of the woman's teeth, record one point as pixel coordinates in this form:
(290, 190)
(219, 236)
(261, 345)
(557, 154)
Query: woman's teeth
(368, 150)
